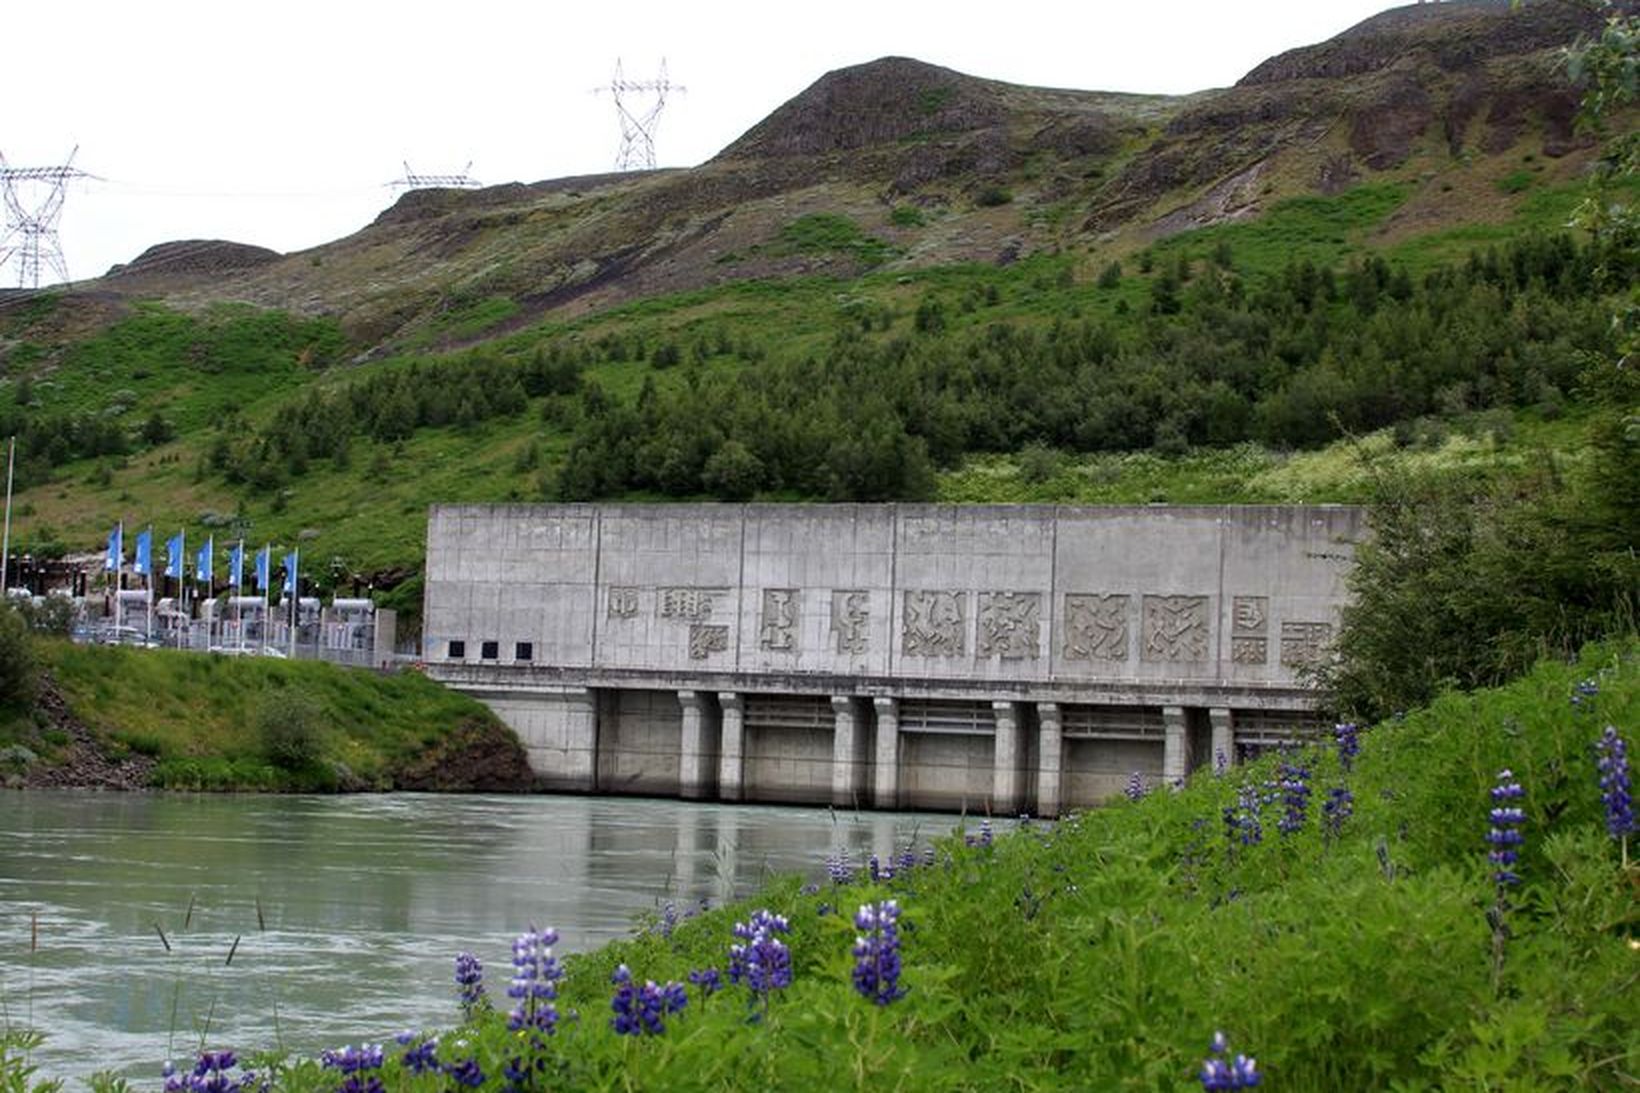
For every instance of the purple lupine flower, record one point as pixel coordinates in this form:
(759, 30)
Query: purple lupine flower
(469, 982)
(1220, 1071)
(907, 861)
(708, 980)
(467, 1072)
(763, 963)
(1221, 761)
(1136, 787)
(838, 867)
(1294, 782)
(669, 918)
(877, 952)
(534, 985)
(1241, 820)
(1584, 693)
(640, 1011)
(360, 1067)
(985, 836)
(1504, 834)
(1349, 743)
(1338, 807)
(421, 1058)
(210, 1075)
(879, 873)
(1615, 792)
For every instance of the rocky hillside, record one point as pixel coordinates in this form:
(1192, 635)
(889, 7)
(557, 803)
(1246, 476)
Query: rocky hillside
(938, 167)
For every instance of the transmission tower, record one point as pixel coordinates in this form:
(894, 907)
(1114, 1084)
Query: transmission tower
(638, 124)
(31, 234)
(413, 181)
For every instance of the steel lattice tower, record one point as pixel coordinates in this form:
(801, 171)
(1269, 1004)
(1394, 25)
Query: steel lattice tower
(638, 128)
(32, 235)
(414, 181)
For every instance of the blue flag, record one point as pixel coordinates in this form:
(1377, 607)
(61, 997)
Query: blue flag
(176, 550)
(116, 549)
(291, 560)
(263, 558)
(143, 562)
(236, 564)
(203, 560)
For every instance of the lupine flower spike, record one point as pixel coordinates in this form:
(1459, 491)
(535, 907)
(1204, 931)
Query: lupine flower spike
(1294, 782)
(640, 1011)
(360, 1067)
(763, 963)
(1612, 759)
(1349, 743)
(1220, 1071)
(877, 952)
(1338, 807)
(210, 1075)
(1504, 834)
(469, 982)
(534, 984)
(1135, 787)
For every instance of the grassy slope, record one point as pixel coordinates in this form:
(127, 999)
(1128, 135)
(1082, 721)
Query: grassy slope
(367, 520)
(197, 714)
(1102, 952)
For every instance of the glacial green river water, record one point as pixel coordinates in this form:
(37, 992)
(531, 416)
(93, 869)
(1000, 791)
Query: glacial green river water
(342, 915)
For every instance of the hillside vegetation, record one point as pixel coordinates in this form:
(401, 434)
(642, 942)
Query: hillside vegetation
(1333, 911)
(906, 283)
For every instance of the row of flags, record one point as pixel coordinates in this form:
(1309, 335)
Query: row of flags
(176, 551)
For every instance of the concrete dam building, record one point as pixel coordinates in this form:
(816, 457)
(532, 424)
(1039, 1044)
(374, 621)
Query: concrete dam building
(1000, 658)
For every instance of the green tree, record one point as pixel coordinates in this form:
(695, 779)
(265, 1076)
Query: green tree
(290, 725)
(18, 671)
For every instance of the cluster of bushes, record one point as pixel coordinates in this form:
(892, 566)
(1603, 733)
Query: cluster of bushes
(1294, 362)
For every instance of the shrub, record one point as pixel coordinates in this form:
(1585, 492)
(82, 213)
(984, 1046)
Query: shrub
(18, 671)
(290, 725)
(992, 196)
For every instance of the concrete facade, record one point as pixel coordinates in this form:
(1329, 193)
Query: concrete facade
(1006, 658)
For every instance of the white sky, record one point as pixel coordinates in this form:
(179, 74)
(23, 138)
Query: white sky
(279, 123)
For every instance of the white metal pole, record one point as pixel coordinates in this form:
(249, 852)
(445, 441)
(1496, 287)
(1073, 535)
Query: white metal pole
(5, 538)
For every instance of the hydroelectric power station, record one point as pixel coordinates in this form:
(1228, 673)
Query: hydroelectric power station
(986, 658)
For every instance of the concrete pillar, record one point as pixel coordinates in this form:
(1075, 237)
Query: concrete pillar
(694, 746)
(1050, 745)
(845, 751)
(1005, 760)
(731, 746)
(885, 785)
(580, 741)
(1224, 737)
(1176, 745)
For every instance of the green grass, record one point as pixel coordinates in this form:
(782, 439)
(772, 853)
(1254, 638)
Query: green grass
(1322, 230)
(1103, 951)
(196, 713)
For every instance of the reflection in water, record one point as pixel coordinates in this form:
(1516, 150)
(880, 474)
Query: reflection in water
(342, 915)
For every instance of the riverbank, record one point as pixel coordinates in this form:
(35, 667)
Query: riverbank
(1367, 915)
(122, 718)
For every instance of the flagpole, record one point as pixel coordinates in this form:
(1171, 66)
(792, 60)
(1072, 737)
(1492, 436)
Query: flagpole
(119, 576)
(238, 612)
(295, 589)
(148, 579)
(5, 538)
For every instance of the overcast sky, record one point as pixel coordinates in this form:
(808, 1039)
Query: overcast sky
(280, 124)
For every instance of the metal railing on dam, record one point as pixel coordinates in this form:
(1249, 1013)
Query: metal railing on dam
(925, 656)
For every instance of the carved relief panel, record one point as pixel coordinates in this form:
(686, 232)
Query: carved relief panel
(777, 624)
(623, 603)
(687, 604)
(1010, 625)
(706, 640)
(1304, 643)
(850, 617)
(1174, 628)
(1096, 627)
(1250, 630)
(934, 624)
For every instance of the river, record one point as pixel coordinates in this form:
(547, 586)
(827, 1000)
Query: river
(136, 927)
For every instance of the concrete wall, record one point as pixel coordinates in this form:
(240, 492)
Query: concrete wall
(628, 640)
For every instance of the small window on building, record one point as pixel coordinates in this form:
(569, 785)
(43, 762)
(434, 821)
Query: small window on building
(524, 650)
(489, 650)
(458, 650)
